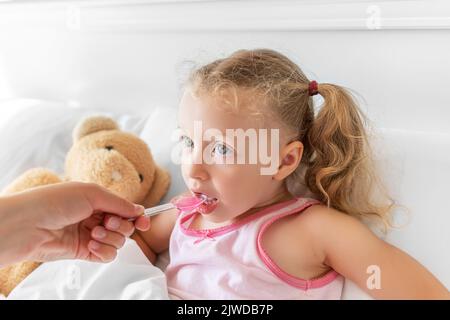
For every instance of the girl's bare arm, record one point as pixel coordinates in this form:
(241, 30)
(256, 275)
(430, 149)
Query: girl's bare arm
(354, 251)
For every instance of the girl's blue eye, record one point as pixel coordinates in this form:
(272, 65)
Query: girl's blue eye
(221, 149)
(187, 142)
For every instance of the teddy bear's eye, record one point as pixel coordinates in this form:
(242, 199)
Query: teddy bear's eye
(109, 148)
(141, 177)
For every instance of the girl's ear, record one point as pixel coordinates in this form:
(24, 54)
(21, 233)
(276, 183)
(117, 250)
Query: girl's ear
(290, 156)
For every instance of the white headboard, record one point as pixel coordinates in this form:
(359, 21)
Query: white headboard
(133, 54)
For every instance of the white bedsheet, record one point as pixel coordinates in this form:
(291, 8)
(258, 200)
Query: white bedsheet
(129, 276)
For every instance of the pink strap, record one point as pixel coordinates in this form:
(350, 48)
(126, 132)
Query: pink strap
(290, 279)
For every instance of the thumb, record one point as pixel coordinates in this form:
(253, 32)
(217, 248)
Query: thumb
(106, 201)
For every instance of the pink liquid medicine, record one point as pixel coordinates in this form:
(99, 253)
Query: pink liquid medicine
(200, 202)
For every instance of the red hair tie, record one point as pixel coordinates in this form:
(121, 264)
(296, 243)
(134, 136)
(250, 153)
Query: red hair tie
(313, 88)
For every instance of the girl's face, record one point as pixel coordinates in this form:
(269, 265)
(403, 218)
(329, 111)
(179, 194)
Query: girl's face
(210, 164)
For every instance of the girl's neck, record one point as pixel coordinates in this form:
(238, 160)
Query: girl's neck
(283, 195)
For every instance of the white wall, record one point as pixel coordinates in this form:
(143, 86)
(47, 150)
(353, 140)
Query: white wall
(130, 53)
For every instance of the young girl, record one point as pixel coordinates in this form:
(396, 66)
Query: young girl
(295, 232)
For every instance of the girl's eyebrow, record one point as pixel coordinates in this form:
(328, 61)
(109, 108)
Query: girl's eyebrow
(223, 136)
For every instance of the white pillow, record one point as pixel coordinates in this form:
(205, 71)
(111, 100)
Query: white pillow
(10, 107)
(158, 133)
(40, 135)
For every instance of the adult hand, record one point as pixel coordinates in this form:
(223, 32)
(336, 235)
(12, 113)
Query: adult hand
(71, 220)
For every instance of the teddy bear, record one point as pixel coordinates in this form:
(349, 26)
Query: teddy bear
(101, 153)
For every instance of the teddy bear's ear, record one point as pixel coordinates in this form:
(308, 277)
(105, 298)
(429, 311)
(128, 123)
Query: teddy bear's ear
(93, 124)
(159, 188)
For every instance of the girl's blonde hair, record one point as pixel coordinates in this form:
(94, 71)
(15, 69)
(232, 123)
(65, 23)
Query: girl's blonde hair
(337, 164)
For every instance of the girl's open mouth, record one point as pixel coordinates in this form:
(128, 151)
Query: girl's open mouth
(209, 204)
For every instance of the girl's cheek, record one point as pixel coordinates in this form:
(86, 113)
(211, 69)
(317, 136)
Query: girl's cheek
(235, 184)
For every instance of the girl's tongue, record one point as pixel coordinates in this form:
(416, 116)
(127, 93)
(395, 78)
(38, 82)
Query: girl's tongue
(199, 201)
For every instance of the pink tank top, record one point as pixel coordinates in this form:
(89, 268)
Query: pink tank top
(230, 263)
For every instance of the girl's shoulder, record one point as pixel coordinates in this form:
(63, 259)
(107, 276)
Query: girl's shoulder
(296, 242)
(319, 223)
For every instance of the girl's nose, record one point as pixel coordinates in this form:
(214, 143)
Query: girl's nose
(195, 165)
(197, 171)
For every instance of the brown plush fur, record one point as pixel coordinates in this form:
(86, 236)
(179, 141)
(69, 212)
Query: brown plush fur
(103, 154)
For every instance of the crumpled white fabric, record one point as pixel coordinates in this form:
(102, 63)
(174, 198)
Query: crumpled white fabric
(129, 276)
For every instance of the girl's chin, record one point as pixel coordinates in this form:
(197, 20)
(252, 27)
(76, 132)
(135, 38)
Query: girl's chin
(218, 217)
(213, 215)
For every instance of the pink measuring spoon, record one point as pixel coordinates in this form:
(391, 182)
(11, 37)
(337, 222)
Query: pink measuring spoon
(182, 203)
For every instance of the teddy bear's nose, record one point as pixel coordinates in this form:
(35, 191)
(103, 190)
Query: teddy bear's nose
(116, 176)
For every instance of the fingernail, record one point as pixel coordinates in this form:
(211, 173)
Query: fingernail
(99, 233)
(138, 208)
(114, 223)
